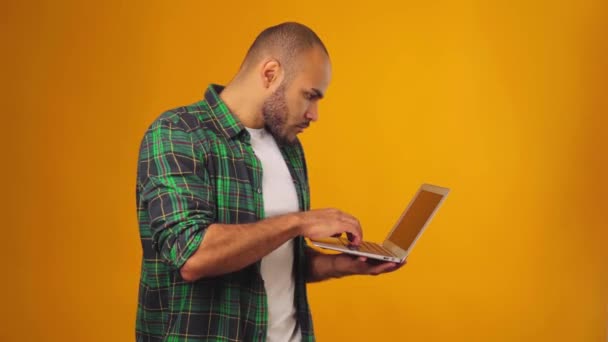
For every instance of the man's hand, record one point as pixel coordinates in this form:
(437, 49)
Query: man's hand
(346, 264)
(322, 223)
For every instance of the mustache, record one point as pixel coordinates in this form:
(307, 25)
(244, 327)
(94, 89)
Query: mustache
(304, 124)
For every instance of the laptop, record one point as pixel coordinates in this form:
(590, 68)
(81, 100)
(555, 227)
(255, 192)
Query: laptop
(404, 235)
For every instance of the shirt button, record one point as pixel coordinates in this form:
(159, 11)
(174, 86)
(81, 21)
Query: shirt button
(260, 333)
(259, 190)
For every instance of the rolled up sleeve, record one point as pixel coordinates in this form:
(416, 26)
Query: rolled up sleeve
(176, 189)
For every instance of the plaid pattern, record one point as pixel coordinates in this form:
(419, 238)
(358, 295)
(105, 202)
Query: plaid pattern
(196, 167)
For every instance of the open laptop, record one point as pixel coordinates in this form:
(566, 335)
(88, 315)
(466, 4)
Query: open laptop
(402, 238)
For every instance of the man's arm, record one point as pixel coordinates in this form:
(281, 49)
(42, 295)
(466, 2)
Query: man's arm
(230, 247)
(325, 266)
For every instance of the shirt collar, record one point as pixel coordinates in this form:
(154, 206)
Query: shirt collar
(227, 123)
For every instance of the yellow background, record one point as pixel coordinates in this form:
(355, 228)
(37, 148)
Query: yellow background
(502, 101)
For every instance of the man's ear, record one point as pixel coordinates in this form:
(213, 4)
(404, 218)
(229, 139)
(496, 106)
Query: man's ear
(271, 73)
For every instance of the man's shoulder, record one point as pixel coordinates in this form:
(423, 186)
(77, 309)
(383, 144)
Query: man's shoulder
(181, 127)
(188, 118)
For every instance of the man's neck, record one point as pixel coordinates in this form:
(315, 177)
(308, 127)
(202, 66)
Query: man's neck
(242, 104)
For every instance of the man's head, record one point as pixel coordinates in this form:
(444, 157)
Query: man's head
(291, 69)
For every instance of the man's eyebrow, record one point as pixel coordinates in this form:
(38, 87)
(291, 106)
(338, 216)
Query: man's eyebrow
(317, 92)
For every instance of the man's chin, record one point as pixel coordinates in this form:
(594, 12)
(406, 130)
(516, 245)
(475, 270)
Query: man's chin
(285, 139)
(290, 140)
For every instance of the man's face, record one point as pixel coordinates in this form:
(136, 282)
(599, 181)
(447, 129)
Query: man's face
(291, 108)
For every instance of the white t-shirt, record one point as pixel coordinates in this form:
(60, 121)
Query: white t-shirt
(280, 197)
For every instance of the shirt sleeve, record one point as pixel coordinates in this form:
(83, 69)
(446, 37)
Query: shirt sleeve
(176, 189)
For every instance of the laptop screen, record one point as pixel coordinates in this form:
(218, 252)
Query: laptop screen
(415, 218)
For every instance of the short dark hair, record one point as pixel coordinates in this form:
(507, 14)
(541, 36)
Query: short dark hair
(286, 41)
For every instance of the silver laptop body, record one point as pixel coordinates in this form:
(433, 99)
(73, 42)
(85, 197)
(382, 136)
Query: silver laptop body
(401, 239)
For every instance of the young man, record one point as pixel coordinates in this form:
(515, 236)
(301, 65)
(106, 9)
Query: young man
(223, 204)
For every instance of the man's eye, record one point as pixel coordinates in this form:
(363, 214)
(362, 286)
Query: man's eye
(309, 96)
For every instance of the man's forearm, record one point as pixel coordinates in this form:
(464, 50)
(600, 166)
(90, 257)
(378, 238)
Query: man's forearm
(230, 247)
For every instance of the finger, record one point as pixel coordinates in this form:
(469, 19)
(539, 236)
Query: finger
(352, 238)
(383, 268)
(349, 218)
(354, 232)
(354, 222)
(401, 264)
(355, 235)
(362, 259)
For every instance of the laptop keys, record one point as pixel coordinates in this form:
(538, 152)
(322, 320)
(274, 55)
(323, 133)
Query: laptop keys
(366, 247)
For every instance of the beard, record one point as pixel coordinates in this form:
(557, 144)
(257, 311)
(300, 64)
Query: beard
(275, 113)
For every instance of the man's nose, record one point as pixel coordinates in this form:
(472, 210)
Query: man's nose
(312, 113)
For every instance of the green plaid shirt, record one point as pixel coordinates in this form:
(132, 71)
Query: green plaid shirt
(197, 167)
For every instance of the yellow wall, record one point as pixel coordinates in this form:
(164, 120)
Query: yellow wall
(502, 101)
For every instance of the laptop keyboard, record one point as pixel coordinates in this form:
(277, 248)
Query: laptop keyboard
(366, 247)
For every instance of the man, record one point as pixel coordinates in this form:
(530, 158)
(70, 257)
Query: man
(223, 204)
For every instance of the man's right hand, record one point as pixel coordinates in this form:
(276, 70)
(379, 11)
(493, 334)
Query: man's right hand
(323, 223)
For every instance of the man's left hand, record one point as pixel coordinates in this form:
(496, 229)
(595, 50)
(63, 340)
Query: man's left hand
(346, 264)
